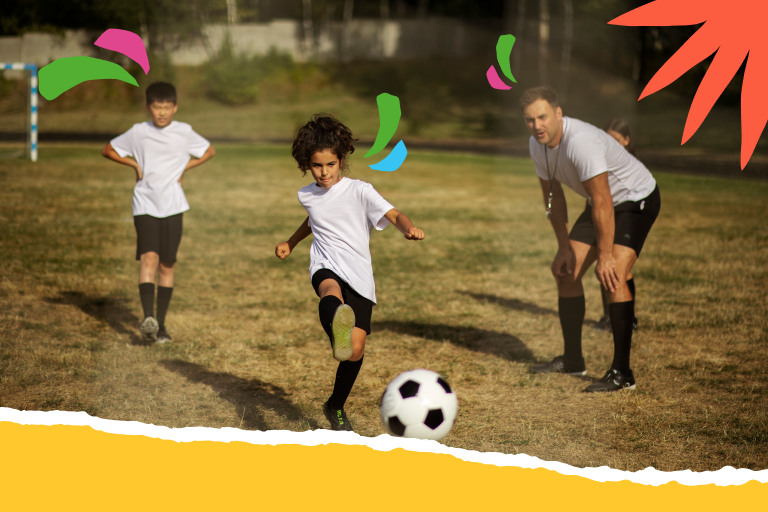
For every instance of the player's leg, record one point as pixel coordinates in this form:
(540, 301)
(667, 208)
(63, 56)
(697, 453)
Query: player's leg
(631, 285)
(147, 253)
(571, 309)
(622, 311)
(632, 228)
(164, 294)
(170, 239)
(337, 320)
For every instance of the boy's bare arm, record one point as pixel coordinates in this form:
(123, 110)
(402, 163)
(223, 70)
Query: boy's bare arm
(109, 152)
(194, 162)
(404, 224)
(283, 249)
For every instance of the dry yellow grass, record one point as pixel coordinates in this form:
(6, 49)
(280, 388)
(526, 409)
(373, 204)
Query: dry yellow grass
(474, 301)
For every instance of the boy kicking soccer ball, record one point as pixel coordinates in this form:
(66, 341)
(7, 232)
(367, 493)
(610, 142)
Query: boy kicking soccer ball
(342, 212)
(162, 150)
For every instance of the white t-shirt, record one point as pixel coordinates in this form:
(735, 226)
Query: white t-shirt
(588, 151)
(162, 154)
(342, 218)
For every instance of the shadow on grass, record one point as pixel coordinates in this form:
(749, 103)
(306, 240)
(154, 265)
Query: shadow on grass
(517, 305)
(249, 396)
(104, 309)
(499, 344)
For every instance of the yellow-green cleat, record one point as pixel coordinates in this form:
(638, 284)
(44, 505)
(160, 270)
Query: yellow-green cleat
(343, 323)
(337, 417)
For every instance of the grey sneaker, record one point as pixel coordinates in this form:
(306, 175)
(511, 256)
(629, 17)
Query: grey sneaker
(560, 365)
(163, 336)
(337, 417)
(343, 323)
(149, 329)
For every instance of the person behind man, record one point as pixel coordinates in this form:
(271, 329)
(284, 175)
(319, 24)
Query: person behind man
(623, 202)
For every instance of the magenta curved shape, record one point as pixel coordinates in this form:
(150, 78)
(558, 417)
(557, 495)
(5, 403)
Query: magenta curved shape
(495, 81)
(127, 43)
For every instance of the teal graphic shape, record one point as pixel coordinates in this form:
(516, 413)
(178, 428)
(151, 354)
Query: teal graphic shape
(389, 119)
(63, 74)
(503, 52)
(393, 161)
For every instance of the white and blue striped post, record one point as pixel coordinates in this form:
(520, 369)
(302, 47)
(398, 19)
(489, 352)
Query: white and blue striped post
(32, 119)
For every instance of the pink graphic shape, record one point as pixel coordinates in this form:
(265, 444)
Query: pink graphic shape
(495, 81)
(127, 43)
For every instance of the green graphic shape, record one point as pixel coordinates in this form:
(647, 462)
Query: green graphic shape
(389, 119)
(63, 74)
(503, 53)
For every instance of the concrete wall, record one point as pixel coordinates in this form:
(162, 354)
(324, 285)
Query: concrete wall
(362, 39)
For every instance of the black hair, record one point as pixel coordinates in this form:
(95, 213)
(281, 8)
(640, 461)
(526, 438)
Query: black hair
(322, 132)
(619, 125)
(161, 92)
(542, 92)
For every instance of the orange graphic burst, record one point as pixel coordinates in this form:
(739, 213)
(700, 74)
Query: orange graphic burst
(733, 29)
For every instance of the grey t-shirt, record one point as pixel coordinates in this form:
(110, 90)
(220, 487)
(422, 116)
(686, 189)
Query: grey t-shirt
(586, 151)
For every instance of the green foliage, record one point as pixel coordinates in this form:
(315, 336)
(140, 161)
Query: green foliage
(235, 79)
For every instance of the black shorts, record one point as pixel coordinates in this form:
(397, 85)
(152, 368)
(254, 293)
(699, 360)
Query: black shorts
(362, 307)
(633, 222)
(162, 236)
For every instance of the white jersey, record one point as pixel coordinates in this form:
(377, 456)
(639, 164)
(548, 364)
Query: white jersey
(585, 152)
(342, 218)
(162, 154)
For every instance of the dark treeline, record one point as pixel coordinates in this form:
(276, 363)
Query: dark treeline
(573, 30)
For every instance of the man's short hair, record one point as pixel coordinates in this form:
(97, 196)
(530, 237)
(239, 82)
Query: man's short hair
(541, 92)
(161, 92)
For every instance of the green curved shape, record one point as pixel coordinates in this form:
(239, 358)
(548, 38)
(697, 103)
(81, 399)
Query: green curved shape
(389, 119)
(63, 74)
(503, 52)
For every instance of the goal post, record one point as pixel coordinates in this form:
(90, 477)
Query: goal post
(31, 104)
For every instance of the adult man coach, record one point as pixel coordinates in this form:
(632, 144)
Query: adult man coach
(622, 204)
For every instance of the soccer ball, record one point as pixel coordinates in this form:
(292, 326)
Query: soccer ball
(420, 404)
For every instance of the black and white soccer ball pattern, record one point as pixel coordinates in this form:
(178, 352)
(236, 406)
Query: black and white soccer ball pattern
(420, 404)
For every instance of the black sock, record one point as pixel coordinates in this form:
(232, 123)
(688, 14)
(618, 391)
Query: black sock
(631, 286)
(346, 374)
(163, 301)
(622, 316)
(328, 306)
(147, 294)
(572, 310)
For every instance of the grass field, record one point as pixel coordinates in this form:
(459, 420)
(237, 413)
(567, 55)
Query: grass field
(474, 301)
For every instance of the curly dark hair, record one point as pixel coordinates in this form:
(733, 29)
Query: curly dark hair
(322, 132)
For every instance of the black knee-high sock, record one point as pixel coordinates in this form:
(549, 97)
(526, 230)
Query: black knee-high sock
(328, 306)
(631, 286)
(571, 310)
(346, 374)
(147, 294)
(163, 301)
(622, 316)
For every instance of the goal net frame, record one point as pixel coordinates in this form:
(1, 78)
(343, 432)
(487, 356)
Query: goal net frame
(31, 104)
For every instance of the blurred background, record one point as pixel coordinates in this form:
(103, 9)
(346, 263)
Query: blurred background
(254, 70)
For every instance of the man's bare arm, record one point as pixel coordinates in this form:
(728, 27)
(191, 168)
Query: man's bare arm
(599, 192)
(109, 152)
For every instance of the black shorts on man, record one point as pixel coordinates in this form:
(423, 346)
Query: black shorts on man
(159, 235)
(362, 307)
(633, 220)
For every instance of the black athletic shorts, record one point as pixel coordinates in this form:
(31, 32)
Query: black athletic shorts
(362, 307)
(633, 222)
(162, 236)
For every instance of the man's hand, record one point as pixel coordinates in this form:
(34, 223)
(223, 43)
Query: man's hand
(414, 233)
(563, 265)
(139, 174)
(607, 274)
(282, 250)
